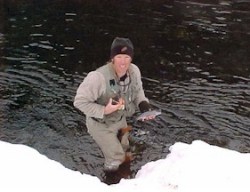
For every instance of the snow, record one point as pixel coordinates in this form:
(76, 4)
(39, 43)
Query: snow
(188, 168)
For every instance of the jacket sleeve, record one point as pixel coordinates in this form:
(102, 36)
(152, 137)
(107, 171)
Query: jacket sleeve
(140, 97)
(88, 92)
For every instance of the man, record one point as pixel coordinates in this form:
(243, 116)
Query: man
(107, 96)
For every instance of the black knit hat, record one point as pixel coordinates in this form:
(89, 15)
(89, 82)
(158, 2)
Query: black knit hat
(122, 46)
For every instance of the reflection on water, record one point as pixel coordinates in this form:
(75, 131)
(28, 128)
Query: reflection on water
(194, 58)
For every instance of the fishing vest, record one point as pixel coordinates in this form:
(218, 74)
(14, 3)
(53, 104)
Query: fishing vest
(114, 90)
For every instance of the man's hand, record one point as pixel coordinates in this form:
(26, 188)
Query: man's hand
(117, 105)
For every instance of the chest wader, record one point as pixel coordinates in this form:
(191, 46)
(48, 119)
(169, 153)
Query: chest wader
(105, 131)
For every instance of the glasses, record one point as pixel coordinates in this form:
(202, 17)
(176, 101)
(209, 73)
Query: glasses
(124, 83)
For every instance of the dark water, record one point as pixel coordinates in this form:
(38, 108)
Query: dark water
(194, 58)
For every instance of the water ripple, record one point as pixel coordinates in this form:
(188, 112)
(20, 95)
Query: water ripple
(193, 57)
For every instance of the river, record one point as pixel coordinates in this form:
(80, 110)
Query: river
(194, 58)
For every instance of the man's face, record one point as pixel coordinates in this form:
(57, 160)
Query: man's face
(121, 63)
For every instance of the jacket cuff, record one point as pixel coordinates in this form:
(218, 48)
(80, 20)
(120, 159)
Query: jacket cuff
(144, 106)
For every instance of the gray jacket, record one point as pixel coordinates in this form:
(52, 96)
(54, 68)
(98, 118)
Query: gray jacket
(102, 84)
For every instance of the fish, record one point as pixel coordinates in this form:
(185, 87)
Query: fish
(146, 114)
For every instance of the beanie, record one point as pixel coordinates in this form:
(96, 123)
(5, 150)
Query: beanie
(122, 46)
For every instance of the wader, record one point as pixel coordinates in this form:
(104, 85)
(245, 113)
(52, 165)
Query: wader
(106, 138)
(104, 131)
